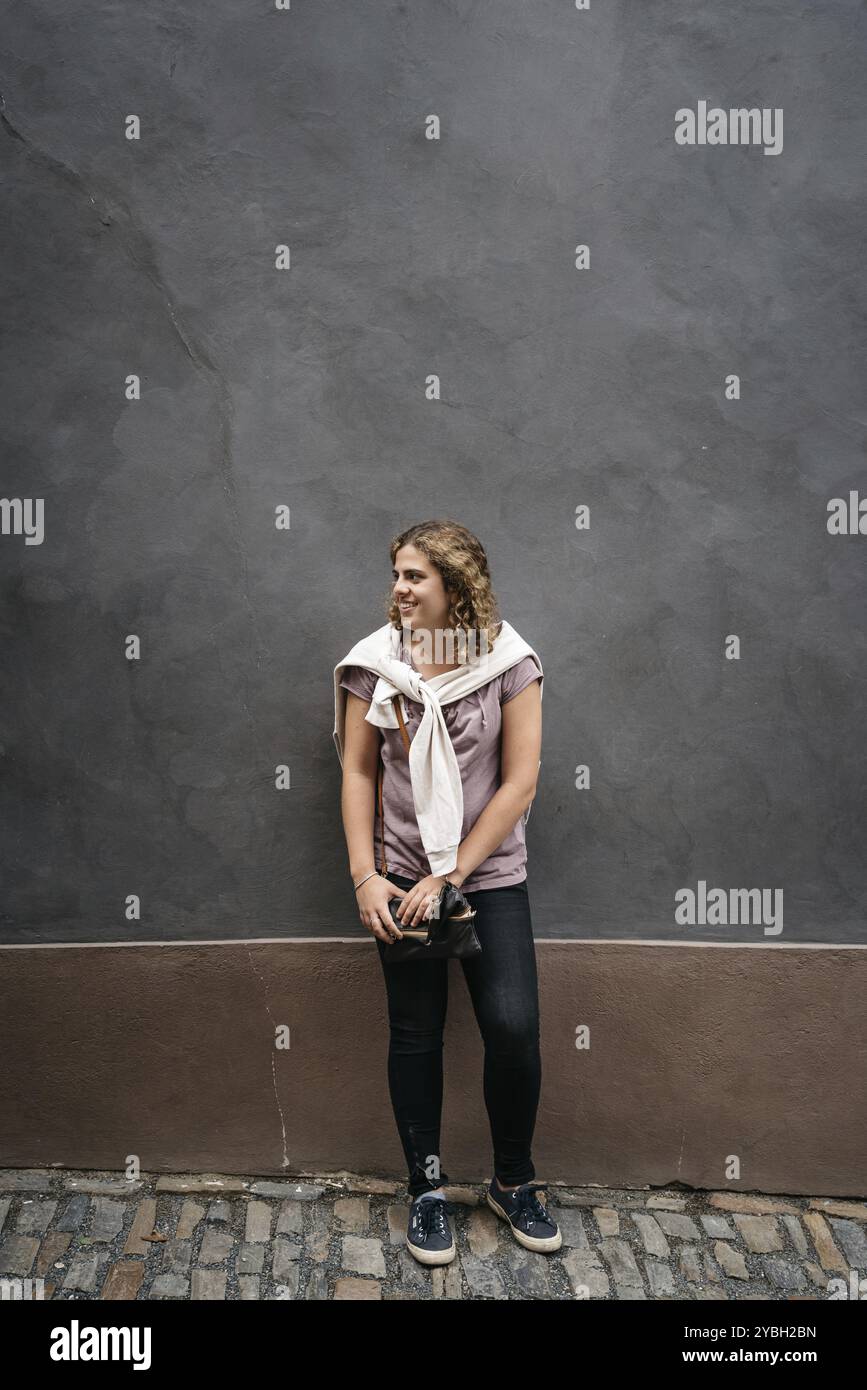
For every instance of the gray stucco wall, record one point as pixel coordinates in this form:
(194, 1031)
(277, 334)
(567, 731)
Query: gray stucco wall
(304, 388)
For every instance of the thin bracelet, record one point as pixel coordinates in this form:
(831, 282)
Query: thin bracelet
(372, 874)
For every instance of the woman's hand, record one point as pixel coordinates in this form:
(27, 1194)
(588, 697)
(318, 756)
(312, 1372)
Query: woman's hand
(417, 900)
(373, 899)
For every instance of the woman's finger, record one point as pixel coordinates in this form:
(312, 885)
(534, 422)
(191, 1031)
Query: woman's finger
(408, 907)
(387, 931)
(416, 911)
(375, 929)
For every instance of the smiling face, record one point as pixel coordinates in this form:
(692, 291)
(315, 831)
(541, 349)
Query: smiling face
(418, 582)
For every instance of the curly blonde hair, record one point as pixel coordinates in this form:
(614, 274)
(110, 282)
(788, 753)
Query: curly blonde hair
(461, 560)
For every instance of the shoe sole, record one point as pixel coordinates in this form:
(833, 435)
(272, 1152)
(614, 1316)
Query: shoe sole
(431, 1257)
(543, 1243)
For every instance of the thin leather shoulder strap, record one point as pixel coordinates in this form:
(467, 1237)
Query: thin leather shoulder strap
(399, 712)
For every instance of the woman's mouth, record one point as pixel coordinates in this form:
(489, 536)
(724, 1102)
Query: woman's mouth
(405, 607)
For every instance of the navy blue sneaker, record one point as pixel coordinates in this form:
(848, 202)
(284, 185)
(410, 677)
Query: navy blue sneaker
(429, 1237)
(531, 1225)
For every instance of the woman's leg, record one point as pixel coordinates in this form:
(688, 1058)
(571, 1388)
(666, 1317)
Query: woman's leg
(417, 993)
(503, 987)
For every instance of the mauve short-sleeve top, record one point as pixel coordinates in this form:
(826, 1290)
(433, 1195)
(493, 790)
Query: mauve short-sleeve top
(474, 725)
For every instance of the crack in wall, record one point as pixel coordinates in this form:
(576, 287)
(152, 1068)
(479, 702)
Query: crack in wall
(285, 1159)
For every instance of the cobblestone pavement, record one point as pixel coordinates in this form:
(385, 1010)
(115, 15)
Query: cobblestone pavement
(100, 1236)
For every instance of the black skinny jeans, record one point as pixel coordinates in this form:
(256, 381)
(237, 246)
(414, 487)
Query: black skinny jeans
(503, 988)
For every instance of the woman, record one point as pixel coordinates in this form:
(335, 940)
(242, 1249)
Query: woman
(459, 810)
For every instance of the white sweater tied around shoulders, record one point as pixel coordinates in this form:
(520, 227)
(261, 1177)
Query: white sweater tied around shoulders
(434, 773)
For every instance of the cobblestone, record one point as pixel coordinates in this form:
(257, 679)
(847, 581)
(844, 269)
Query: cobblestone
(108, 1217)
(352, 1214)
(208, 1283)
(17, 1254)
(731, 1261)
(853, 1240)
(829, 1256)
(621, 1261)
(25, 1180)
(651, 1234)
(607, 1220)
(586, 1274)
(170, 1286)
(201, 1182)
(73, 1214)
(718, 1227)
(251, 1260)
(55, 1244)
(690, 1264)
(760, 1233)
(82, 1273)
(856, 1210)
(530, 1274)
(143, 1225)
(216, 1247)
(176, 1256)
(796, 1233)
(214, 1237)
(105, 1187)
(191, 1215)
(660, 1278)
(363, 1256)
(678, 1225)
(124, 1280)
(411, 1272)
(483, 1278)
(285, 1253)
(290, 1221)
(482, 1232)
(34, 1217)
(785, 1274)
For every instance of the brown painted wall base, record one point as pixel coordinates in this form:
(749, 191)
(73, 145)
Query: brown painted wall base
(697, 1053)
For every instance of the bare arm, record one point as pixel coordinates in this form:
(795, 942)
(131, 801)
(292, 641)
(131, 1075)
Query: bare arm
(361, 742)
(519, 771)
(360, 763)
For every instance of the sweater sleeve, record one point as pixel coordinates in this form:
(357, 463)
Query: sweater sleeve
(518, 677)
(359, 681)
